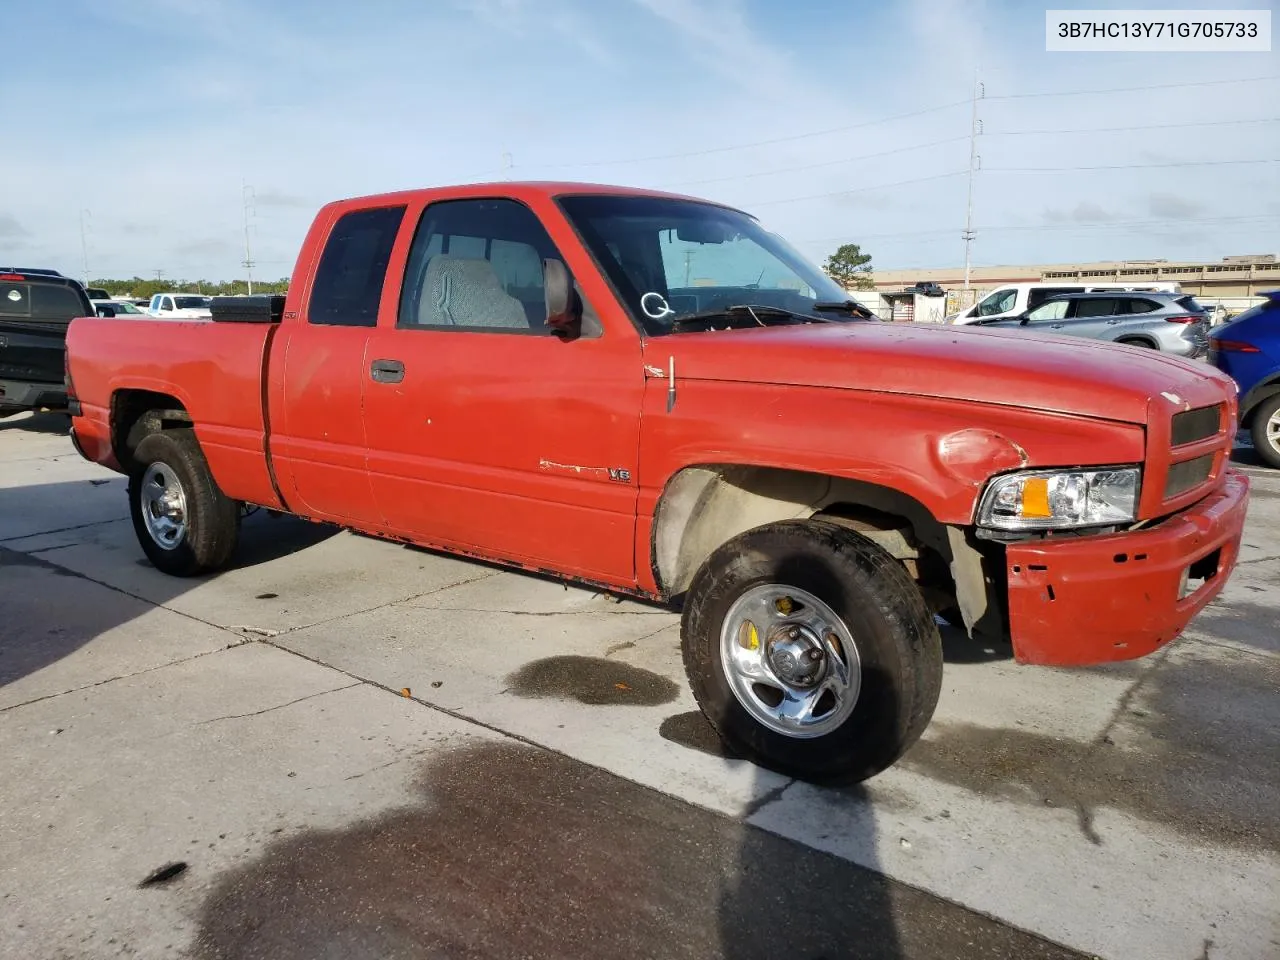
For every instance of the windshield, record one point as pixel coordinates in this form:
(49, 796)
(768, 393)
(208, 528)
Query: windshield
(671, 259)
(191, 303)
(125, 307)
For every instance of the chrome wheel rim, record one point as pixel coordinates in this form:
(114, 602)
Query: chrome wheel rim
(790, 661)
(1273, 431)
(164, 506)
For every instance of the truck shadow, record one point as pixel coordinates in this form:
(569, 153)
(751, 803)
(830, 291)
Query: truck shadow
(56, 423)
(65, 589)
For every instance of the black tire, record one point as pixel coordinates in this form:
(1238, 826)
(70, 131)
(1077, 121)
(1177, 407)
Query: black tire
(212, 521)
(1265, 446)
(896, 637)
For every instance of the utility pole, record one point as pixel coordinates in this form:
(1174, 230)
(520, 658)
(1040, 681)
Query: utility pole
(84, 246)
(158, 274)
(247, 195)
(975, 127)
(507, 164)
(688, 262)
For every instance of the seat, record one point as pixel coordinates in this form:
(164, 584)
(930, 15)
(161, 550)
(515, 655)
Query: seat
(466, 292)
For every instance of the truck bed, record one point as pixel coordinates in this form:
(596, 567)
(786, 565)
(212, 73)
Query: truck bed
(217, 371)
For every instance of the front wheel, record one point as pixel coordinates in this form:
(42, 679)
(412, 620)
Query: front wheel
(184, 523)
(1265, 431)
(811, 651)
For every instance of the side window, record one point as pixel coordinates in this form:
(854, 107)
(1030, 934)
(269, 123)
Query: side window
(1053, 310)
(477, 265)
(1039, 295)
(1097, 307)
(999, 302)
(352, 269)
(166, 303)
(1140, 305)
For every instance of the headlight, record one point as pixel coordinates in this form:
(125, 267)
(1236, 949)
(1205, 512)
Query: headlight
(1054, 500)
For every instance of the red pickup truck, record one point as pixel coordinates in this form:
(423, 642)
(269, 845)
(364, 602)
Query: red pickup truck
(655, 395)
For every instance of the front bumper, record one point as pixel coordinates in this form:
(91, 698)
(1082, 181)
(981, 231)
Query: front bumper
(1088, 600)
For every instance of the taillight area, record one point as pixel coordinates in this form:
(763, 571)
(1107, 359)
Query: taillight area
(1235, 346)
(73, 403)
(1186, 319)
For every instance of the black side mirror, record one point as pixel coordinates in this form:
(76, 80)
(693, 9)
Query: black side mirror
(563, 316)
(105, 311)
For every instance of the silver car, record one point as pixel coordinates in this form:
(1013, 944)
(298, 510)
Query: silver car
(1170, 322)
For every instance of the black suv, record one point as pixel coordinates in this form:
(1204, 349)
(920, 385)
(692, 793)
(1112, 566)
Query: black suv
(36, 306)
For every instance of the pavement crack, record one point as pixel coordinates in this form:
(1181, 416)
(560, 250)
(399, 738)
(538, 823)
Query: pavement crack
(759, 803)
(555, 613)
(1241, 563)
(281, 706)
(122, 676)
(49, 533)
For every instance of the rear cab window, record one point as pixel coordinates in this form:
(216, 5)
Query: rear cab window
(42, 301)
(353, 268)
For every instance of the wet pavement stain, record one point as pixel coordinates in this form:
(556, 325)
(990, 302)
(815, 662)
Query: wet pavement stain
(694, 731)
(592, 680)
(166, 874)
(513, 851)
(1252, 624)
(1195, 752)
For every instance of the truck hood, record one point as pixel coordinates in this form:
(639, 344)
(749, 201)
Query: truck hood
(1070, 375)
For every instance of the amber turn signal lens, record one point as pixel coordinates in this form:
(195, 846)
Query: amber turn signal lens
(1035, 498)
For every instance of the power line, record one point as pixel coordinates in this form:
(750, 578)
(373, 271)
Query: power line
(1131, 127)
(1082, 224)
(1154, 86)
(1128, 166)
(815, 166)
(765, 143)
(844, 193)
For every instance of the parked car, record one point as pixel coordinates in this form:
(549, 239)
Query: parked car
(532, 380)
(35, 309)
(1248, 348)
(1016, 299)
(1169, 322)
(116, 308)
(179, 306)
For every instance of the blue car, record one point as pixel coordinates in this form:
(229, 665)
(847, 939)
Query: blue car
(1248, 348)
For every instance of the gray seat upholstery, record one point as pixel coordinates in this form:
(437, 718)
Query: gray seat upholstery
(466, 292)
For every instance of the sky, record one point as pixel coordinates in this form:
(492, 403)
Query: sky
(832, 122)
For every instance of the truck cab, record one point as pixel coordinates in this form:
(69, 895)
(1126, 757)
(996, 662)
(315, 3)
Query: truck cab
(654, 395)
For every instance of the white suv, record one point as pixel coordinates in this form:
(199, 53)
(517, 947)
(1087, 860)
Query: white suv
(179, 306)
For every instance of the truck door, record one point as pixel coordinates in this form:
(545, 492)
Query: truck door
(486, 429)
(318, 435)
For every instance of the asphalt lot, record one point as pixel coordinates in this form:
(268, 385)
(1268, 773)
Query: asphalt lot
(355, 749)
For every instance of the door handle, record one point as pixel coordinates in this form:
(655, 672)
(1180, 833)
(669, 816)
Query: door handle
(1056, 326)
(1112, 323)
(387, 371)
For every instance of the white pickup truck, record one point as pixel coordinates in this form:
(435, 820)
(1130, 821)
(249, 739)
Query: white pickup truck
(179, 306)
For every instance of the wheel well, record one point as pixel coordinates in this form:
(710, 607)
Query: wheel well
(136, 414)
(1139, 342)
(703, 507)
(1257, 397)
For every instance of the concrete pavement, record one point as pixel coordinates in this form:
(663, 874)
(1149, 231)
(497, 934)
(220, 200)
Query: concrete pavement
(547, 786)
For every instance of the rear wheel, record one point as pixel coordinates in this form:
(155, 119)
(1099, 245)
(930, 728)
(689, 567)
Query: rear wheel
(1265, 430)
(185, 524)
(811, 650)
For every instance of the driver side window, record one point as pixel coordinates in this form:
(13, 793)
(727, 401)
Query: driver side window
(999, 302)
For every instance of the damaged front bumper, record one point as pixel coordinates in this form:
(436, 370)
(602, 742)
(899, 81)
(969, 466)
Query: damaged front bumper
(1088, 600)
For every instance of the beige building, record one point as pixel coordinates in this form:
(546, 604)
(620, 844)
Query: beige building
(1229, 278)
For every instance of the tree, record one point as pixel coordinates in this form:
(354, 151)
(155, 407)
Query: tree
(850, 267)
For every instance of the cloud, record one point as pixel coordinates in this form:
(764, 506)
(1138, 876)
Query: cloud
(1174, 207)
(209, 247)
(11, 229)
(278, 198)
(1083, 212)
